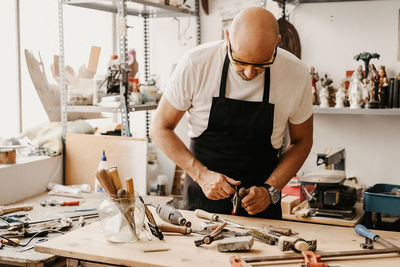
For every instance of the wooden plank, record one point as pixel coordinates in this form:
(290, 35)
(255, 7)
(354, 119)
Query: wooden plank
(331, 221)
(88, 243)
(83, 154)
(93, 59)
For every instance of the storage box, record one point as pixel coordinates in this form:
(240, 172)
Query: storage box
(378, 199)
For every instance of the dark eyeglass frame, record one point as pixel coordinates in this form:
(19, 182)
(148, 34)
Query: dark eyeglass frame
(263, 65)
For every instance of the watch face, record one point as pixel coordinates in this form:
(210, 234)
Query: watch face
(275, 195)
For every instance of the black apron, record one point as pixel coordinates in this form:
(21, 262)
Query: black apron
(236, 143)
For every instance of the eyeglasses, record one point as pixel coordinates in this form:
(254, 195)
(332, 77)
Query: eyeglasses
(262, 65)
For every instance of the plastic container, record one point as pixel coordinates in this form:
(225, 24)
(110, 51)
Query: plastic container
(121, 220)
(380, 198)
(103, 164)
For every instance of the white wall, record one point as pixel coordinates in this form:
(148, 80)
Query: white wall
(331, 34)
(8, 71)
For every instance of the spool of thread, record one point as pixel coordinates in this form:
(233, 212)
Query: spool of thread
(8, 156)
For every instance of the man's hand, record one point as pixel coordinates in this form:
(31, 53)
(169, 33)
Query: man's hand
(256, 200)
(216, 185)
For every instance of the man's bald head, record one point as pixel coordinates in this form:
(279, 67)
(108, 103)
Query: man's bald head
(254, 34)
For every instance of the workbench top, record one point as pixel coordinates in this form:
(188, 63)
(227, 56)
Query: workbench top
(89, 243)
(10, 255)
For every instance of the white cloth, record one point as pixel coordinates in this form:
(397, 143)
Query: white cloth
(196, 80)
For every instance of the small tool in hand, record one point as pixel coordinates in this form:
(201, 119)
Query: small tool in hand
(208, 239)
(237, 198)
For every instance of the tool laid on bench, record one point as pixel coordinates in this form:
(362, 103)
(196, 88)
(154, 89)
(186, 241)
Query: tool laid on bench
(172, 215)
(208, 239)
(54, 202)
(363, 231)
(214, 217)
(5, 210)
(284, 243)
(151, 222)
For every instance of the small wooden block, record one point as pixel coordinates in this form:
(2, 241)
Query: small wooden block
(288, 203)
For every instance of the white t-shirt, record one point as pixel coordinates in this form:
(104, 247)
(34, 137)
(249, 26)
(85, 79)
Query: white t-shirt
(196, 80)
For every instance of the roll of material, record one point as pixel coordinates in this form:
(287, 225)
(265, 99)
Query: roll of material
(8, 156)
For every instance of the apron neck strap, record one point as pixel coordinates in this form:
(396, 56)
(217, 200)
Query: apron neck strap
(222, 87)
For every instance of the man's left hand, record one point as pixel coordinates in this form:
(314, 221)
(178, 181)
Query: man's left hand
(256, 200)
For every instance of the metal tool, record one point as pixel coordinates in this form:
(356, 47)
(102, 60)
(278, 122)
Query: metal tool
(151, 222)
(237, 198)
(172, 215)
(214, 217)
(367, 244)
(54, 202)
(324, 255)
(363, 231)
(208, 239)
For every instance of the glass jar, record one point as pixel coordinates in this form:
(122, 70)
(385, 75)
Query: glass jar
(122, 219)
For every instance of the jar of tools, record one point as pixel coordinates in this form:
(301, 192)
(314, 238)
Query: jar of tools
(122, 218)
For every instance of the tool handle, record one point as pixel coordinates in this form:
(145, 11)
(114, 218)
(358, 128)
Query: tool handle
(115, 177)
(218, 229)
(106, 181)
(131, 189)
(206, 215)
(174, 228)
(70, 203)
(363, 231)
(4, 210)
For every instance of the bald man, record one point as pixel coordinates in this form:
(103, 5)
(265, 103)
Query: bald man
(239, 95)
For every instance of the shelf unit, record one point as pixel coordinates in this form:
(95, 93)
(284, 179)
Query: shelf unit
(360, 111)
(145, 9)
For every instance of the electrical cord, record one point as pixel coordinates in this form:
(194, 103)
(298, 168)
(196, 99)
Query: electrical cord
(29, 241)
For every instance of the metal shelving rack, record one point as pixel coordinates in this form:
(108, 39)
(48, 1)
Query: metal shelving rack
(122, 8)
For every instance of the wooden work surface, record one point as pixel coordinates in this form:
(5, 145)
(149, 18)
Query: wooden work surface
(328, 220)
(88, 243)
(10, 255)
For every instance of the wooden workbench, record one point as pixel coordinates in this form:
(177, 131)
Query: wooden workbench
(88, 243)
(11, 256)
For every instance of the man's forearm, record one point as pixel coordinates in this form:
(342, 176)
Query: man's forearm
(290, 162)
(175, 149)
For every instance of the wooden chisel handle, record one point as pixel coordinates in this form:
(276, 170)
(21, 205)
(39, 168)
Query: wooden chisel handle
(206, 215)
(175, 228)
(115, 177)
(131, 189)
(4, 210)
(106, 181)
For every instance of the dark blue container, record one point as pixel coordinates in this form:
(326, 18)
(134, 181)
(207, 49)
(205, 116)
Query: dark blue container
(377, 198)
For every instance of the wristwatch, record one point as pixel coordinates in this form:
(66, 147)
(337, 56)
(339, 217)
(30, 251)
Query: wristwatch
(274, 194)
